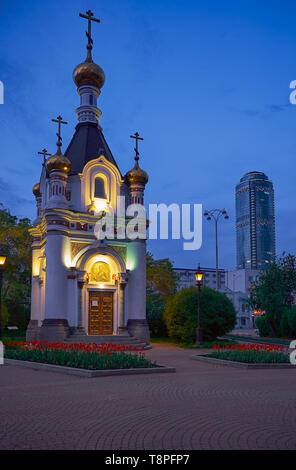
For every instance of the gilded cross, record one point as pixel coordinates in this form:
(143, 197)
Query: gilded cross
(60, 121)
(45, 154)
(90, 17)
(137, 137)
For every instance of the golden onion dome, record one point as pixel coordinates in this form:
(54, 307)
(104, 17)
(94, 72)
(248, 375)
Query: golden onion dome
(36, 190)
(92, 207)
(137, 175)
(89, 73)
(58, 162)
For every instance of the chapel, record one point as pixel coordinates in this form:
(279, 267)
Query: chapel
(84, 287)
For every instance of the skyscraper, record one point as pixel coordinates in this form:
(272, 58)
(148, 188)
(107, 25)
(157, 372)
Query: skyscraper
(255, 221)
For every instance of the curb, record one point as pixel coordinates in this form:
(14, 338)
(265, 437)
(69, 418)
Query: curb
(241, 365)
(85, 372)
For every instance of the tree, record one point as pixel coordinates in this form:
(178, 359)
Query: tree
(155, 306)
(217, 314)
(292, 321)
(160, 276)
(161, 283)
(15, 241)
(272, 291)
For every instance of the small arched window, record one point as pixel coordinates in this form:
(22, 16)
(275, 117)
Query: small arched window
(100, 191)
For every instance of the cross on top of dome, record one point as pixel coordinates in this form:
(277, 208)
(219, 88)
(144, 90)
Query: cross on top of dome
(90, 17)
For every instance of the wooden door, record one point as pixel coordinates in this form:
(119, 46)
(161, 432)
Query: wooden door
(100, 316)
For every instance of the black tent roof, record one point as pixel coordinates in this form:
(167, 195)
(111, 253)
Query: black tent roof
(88, 142)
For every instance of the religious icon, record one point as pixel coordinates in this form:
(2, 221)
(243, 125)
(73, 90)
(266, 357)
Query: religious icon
(100, 272)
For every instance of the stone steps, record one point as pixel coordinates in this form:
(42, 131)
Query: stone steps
(116, 339)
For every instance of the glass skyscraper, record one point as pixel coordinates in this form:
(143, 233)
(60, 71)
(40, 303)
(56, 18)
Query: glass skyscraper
(255, 221)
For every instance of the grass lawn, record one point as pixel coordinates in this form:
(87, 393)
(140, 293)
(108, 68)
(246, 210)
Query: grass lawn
(260, 338)
(13, 335)
(205, 345)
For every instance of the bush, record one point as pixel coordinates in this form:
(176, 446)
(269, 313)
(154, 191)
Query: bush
(262, 326)
(155, 306)
(284, 324)
(292, 320)
(217, 314)
(4, 316)
(19, 314)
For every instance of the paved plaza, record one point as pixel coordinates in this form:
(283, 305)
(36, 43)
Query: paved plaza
(201, 406)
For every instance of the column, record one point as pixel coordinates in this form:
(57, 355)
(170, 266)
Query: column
(80, 284)
(123, 279)
(32, 328)
(55, 325)
(137, 323)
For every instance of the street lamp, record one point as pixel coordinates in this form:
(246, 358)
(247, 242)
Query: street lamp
(198, 276)
(215, 214)
(2, 268)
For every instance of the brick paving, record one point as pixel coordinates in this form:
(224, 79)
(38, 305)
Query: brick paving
(202, 406)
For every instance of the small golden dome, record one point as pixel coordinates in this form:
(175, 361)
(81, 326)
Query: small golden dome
(89, 73)
(36, 190)
(92, 207)
(137, 175)
(58, 162)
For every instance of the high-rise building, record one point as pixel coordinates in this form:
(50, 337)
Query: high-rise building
(255, 221)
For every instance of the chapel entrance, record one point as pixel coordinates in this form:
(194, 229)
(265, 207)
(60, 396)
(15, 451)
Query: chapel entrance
(100, 313)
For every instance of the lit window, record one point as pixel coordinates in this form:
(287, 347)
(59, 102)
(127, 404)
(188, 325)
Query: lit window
(100, 188)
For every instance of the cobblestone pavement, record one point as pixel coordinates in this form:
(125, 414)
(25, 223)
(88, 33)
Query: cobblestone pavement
(202, 406)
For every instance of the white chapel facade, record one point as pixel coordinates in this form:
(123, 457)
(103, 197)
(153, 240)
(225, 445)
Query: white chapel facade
(83, 287)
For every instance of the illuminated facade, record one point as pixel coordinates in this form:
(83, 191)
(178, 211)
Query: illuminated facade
(85, 288)
(255, 222)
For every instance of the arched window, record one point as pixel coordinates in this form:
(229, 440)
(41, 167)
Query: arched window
(100, 191)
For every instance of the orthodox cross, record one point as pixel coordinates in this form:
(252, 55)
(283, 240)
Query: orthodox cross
(90, 17)
(137, 137)
(45, 154)
(60, 121)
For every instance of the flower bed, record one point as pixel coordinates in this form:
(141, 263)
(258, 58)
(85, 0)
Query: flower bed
(83, 356)
(251, 353)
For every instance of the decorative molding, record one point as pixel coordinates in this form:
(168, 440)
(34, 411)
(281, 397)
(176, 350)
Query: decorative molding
(76, 247)
(120, 250)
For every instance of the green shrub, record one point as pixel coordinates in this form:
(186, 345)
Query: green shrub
(284, 324)
(4, 316)
(262, 326)
(155, 306)
(217, 314)
(292, 320)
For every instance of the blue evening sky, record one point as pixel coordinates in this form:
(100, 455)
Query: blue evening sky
(205, 82)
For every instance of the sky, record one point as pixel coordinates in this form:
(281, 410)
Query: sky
(206, 83)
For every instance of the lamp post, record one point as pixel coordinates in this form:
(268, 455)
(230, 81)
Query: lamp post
(2, 268)
(198, 276)
(215, 214)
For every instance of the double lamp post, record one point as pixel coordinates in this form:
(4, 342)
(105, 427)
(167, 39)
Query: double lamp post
(214, 214)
